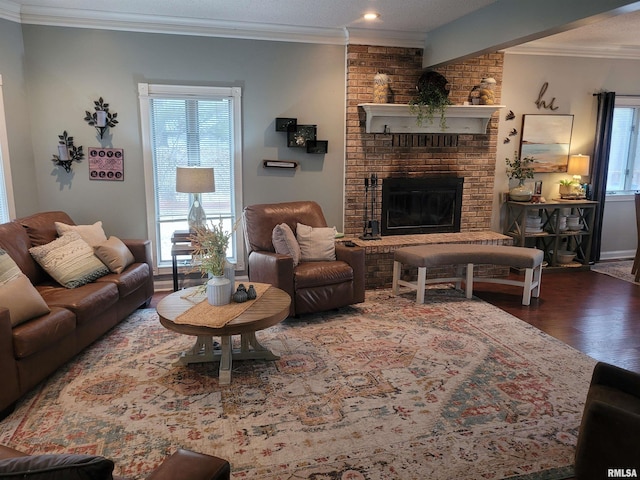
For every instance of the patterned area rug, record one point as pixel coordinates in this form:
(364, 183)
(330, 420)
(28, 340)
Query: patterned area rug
(452, 389)
(621, 270)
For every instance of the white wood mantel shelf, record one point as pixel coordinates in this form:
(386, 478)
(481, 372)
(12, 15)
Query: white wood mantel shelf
(397, 118)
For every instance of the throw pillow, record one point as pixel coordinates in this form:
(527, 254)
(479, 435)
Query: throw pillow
(317, 243)
(92, 234)
(22, 299)
(8, 268)
(285, 243)
(57, 467)
(69, 260)
(114, 254)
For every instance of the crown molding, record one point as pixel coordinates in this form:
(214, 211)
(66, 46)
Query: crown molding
(10, 11)
(103, 20)
(387, 38)
(565, 50)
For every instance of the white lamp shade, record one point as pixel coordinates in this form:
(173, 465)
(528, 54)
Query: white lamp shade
(578, 165)
(195, 180)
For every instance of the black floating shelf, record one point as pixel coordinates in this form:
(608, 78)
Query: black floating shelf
(301, 136)
(317, 146)
(286, 124)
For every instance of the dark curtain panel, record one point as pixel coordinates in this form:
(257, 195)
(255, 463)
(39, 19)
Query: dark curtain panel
(600, 167)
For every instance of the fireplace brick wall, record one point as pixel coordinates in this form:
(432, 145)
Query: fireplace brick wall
(473, 157)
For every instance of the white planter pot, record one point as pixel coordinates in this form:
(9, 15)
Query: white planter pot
(219, 291)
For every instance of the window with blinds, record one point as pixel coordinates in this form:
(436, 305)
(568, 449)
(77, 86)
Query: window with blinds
(190, 126)
(623, 175)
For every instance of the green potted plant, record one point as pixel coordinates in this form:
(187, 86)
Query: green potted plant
(520, 169)
(569, 188)
(432, 98)
(210, 256)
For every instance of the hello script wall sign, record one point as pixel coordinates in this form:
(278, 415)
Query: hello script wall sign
(540, 103)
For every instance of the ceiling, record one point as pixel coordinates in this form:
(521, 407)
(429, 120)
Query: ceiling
(401, 22)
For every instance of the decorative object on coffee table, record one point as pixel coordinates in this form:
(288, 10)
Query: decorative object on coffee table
(210, 252)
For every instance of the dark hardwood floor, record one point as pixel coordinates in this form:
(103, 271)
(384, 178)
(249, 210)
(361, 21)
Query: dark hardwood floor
(596, 314)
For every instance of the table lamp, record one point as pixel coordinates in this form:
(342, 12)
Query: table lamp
(195, 180)
(578, 166)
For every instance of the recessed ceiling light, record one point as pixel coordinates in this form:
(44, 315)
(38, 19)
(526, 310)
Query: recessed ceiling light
(371, 16)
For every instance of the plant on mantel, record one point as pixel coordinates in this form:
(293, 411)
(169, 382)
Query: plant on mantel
(432, 98)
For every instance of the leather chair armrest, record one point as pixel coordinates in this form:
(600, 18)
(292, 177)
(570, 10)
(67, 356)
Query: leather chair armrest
(273, 268)
(188, 465)
(8, 452)
(8, 369)
(607, 439)
(616, 377)
(355, 257)
(141, 250)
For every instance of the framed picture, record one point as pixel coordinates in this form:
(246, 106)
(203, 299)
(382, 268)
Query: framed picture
(106, 164)
(547, 139)
(538, 187)
(317, 146)
(286, 124)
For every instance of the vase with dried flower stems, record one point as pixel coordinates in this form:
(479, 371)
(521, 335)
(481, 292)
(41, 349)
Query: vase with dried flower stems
(210, 254)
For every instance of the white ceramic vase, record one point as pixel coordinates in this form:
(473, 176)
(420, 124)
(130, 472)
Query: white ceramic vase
(219, 291)
(230, 273)
(521, 193)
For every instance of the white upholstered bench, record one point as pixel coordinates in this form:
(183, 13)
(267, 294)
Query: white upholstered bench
(466, 254)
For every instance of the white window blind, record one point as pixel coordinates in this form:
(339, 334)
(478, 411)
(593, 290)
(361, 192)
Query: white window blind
(623, 175)
(191, 126)
(7, 207)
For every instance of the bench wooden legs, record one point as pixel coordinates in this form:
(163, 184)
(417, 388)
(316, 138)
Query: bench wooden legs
(530, 285)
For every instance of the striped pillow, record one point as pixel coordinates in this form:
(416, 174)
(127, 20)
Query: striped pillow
(69, 260)
(8, 268)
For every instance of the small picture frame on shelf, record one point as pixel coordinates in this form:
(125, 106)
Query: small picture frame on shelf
(286, 124)
(317, 146)
(538, 188)
(300, 136)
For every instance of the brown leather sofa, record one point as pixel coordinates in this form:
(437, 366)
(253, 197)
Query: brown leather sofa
(31, 351)
(182, 465)
(314, 286)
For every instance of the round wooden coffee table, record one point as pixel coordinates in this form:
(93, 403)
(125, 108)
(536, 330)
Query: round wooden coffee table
(269, 309)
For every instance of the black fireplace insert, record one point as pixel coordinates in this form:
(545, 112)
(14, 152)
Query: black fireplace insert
(414, 205)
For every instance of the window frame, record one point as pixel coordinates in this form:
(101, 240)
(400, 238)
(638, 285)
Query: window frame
(628, 102)
(146, 92)
(4, 156)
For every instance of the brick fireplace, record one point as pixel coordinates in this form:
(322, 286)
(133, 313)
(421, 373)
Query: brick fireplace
(468, 156)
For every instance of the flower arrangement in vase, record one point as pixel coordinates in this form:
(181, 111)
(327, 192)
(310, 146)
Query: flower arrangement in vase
(520, 169)
(210, 255)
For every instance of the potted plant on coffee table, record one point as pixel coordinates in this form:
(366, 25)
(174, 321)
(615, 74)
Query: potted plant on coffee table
(210, 256)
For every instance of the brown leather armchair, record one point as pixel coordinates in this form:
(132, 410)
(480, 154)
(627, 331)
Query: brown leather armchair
(608, 435)
(183, 464)
(314, 286)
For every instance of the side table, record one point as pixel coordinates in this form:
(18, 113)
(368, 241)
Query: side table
(180, 245)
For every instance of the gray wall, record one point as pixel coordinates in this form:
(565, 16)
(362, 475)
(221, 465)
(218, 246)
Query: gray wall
(16, 113)
(572, 81)
(67, 69)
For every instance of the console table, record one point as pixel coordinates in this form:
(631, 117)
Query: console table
(551, 236)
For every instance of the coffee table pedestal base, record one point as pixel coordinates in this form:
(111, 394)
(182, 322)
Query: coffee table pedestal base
(203, 351)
